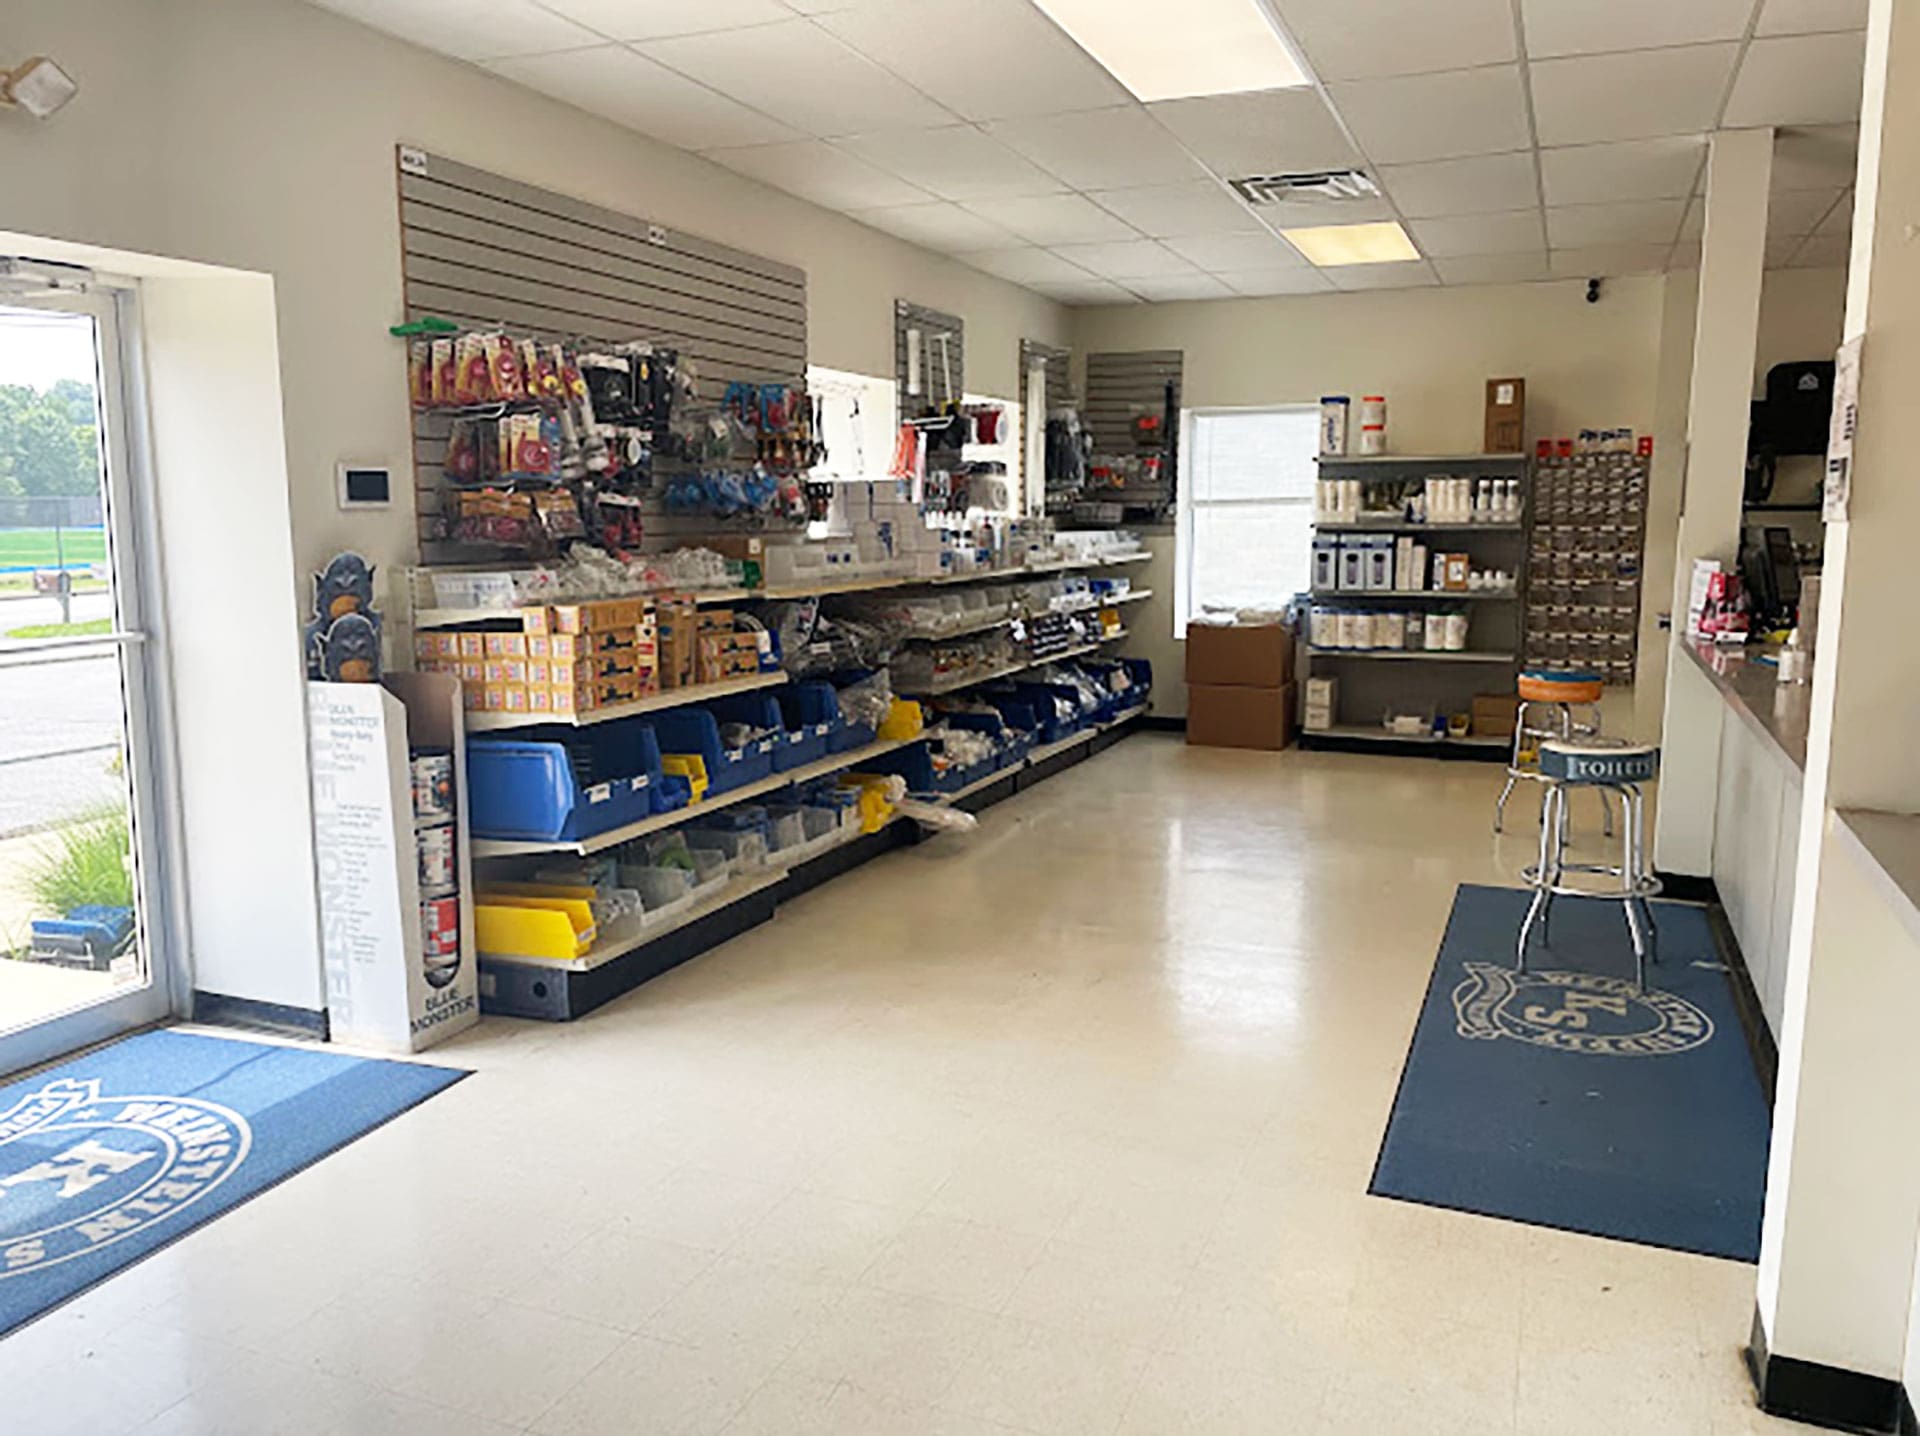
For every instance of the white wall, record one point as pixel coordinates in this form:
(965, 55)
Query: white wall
(259, 134)
(1430, 351)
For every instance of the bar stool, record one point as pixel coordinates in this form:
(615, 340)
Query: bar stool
(1548, 698)
(1607, 766)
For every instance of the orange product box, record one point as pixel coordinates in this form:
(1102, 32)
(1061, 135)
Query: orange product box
(472, 671)
(506, 670)
(539, 671)
(494, 697)
(473, 699)
(539, 698)
(519, 698)
(536, 620)
(473, 645)
(506, 645)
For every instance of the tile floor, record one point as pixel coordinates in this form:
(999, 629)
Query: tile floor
(1060, 1128)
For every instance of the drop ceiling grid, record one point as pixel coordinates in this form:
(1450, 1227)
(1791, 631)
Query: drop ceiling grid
(906, 67)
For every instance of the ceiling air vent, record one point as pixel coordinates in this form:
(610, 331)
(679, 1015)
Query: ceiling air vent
(1320, 187)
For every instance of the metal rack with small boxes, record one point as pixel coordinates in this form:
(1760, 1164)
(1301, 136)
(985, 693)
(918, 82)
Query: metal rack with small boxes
(1584, 555)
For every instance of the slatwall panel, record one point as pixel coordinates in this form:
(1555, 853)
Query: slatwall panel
(1059, 365)
(485, 251)
(1120, 388)
(933, 374)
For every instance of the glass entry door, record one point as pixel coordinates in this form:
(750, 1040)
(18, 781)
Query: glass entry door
(85, 909)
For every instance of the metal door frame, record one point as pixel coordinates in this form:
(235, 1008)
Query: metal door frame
(135, 552)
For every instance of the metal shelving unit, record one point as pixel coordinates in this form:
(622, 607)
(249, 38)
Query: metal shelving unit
(1414, 681)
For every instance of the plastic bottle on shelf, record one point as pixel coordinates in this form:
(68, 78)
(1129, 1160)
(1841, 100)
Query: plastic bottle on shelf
(1457, 631)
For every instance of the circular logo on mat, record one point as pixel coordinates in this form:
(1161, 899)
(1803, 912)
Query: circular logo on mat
(79, 1171)
(1576, 1012)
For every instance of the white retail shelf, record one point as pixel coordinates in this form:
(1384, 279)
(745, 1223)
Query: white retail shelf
(1051, 750)
(652, 703)
(1422, 655)
(1401, 526)
(460, 617)
(1367, 734)
(983, 575)
(1438, 595)
(942, 687)
(737, 890)
(1341, 461)
(988, 625)
(613, 837)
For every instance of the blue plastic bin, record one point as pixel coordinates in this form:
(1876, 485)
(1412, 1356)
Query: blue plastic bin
(554, 791)
(762, 711)
(812, 714)
(695, 731)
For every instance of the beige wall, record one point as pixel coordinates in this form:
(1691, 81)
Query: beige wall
(1430, 351)
(259, 134)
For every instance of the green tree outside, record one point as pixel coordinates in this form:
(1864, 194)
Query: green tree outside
(49, 445)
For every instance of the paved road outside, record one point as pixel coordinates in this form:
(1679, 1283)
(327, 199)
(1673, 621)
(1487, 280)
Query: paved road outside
(48, 708)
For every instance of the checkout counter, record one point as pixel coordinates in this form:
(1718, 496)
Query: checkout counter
(1756, 833)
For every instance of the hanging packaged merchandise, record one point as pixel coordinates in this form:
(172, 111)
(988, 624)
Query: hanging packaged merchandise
(614, 522)
(472, 380)
(444, 369)
(558, 515)
(540, 368)
(609, 384)
(472, 453)
(503, 368)
(420, 373)
(580, 420)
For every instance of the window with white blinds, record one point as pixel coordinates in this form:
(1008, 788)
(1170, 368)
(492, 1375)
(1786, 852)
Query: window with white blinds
(1247, 535)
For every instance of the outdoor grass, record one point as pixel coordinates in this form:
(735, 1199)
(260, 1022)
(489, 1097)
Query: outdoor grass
(37, 548)
(89, 629)
(83, 863)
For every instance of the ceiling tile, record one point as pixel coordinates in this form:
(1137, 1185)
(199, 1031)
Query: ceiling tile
(1628, 169)
(1412, 274)
(631, 90)
(470, 29)
(1027, 265)
(1493, 268)
(1800, 211)
(1264, 283)
(816, 171)
(1686, 255)
(1436, 117)
(1125, 259)
(802, 76)
(1799, 80)
(1261, 283)
(1482, 184)
(1053, 219)
(1364, 39)
(1515, 232)
(1632, 96)
(985, 59)
(1645, 221)
(1694, 226)
(1090, 291)
(1606, 260)
(657, 19)
(1581, 27)
(1100, 149)
(1174, 288)
(1239, 253)
(954, 162)
(945, 227)
(1270, 132)
(1163, 211)
(1782, 248)
(1804, 17)
(1815, 156)
(1839, 219)
(1824, 251)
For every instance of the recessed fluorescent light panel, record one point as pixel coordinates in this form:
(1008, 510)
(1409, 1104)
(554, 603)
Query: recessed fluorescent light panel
(1331, 245)
(1165, 51)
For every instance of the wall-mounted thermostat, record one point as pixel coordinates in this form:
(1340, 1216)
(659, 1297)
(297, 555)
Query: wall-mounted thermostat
(365, 486)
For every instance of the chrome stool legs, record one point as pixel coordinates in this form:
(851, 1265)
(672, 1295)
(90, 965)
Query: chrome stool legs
(1633, 887)
(1565, 728)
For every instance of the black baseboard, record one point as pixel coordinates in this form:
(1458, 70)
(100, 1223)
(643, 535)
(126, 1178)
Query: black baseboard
(1684, 887)
(218, 1009)
(1909, 1424)
(1162, 723)
(1822, 1395)
(1746, 1000)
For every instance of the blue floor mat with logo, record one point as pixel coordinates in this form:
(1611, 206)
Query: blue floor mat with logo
(1565, 1098)
(107, 1158)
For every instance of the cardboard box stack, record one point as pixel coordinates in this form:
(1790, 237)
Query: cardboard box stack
(1240, 688)
(719, 651)
(1323, 705)
(565, 660)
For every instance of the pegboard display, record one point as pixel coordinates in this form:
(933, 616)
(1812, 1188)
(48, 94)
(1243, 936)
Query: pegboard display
(1584, 563)
(484, 251)
(1133, 411)
(930, 359)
